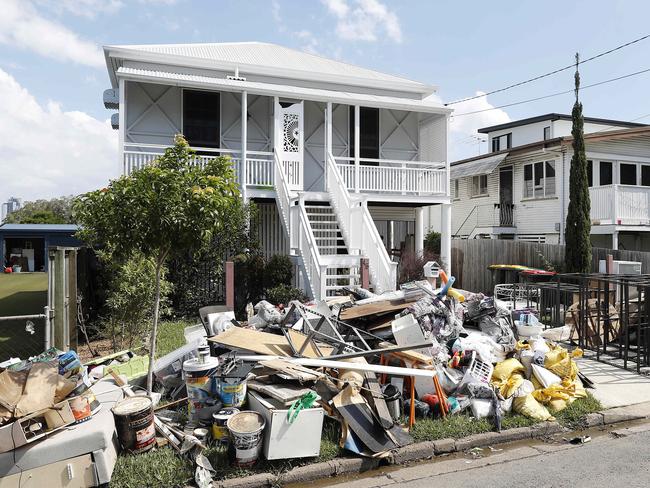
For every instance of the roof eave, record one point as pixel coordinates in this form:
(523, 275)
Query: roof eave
(184, 61)
(276, 90)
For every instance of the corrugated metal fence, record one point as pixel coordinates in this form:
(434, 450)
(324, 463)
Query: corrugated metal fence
(470, 259)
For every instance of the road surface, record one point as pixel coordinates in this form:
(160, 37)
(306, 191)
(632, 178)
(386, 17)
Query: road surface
(612, 459)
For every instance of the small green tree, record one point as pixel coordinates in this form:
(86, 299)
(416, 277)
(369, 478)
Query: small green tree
(129, 299)
(578, 221)
(172, 205)
(53, 211)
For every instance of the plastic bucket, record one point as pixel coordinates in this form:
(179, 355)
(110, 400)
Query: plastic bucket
(134, 424)
(246, 430)
(231, 391)
(200, 382)
(220, 431)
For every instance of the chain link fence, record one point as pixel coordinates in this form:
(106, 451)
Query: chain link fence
(22, 336)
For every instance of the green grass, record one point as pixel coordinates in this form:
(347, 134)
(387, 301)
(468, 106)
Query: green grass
(170, 335)
(161, 468)
(574, 415)
(22, 294)
(457, 426)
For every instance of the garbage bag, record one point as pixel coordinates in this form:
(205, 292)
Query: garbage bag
(505, 369)
(559, 361)
(545, 377)
(511, 385)
(531, 408)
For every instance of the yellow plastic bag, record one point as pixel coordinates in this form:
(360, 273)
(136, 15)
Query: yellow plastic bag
(508, 388)
(560, 362)
(505, 369)
(522, 346)
(531, 408)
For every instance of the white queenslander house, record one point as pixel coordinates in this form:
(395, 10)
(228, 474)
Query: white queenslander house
(520, 190)
(343, 162)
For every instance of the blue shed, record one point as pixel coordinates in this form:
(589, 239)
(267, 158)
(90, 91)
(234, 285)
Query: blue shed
(26, 244)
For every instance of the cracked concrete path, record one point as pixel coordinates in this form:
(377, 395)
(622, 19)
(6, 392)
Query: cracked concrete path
(618, 458)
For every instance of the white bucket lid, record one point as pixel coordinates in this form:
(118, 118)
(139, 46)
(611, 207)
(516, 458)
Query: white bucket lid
(246, 422)
(132, 405)
(195, 365)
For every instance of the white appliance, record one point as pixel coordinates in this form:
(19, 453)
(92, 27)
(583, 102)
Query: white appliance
(621, 267)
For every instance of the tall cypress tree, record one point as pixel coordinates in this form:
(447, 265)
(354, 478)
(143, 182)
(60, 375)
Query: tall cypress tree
(578, 221)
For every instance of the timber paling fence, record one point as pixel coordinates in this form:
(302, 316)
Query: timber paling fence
(470, 259)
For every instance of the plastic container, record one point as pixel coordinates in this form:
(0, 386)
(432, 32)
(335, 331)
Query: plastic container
(231, 391)
(201, 384)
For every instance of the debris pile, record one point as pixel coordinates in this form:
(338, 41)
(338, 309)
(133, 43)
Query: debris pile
(264, 387)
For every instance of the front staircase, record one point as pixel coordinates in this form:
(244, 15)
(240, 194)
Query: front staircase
(330, 232)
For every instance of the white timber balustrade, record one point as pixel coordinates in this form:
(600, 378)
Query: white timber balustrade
(620, 204)
(393, 176)
(360, 230)
(259, 164)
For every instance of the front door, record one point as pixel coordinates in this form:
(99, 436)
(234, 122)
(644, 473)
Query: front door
(290, 141)
(506, 207)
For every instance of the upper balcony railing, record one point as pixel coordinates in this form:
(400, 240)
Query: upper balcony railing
(620, 204)
(259, 164)
(394, 177)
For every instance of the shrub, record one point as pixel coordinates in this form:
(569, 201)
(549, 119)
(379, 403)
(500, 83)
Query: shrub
(279, 271)
(432, 242)
(129, 301)
(284, 294)
(411, 265)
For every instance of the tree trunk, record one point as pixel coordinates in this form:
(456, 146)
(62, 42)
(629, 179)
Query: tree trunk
(154, 330)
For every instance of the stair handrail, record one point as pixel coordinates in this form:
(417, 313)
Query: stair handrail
(472, 212)
(360, 230)
(300, 234)
(283, 194)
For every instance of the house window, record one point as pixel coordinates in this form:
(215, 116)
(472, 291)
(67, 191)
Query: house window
(201, 118)
(645, 175)
(368, 133)
(539, 179)
(547, 133)
(627, 174)
(479, 185)
(590, 172)
(606, 173)
(500, 143)
(455, 189)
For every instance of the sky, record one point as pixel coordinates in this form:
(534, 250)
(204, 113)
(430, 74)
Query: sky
(55, 135)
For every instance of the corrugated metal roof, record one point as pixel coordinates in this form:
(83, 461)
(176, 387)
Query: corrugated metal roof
(250, 56)
(287, 91)
(40, 227)
(481, 166)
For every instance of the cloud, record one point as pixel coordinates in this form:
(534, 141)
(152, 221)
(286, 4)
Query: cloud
(308, 40)
(463, 127)
(364, 20)
(21, 25)
(82, 8)
(49, 152)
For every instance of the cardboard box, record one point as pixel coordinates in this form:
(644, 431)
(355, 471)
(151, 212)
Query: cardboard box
(52, 419)
(283, 440)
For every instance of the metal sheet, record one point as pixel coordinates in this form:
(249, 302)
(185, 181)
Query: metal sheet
(481, 166)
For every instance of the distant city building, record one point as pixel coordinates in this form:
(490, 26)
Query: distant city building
(10, 206)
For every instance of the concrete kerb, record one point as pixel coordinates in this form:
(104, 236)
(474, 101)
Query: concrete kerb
(429, 449)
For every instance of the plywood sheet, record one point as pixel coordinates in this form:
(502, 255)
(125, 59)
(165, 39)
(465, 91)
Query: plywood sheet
(253, 340)
(374, 308)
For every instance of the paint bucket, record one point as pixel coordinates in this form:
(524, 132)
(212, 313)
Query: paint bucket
(134, 424)
(80, 406)
(232, 391)
(201, 434)
(246, 429)
(200, 382)
(220, 431)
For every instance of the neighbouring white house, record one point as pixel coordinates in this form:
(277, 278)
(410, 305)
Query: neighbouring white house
(520, 190)
(341, 160)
